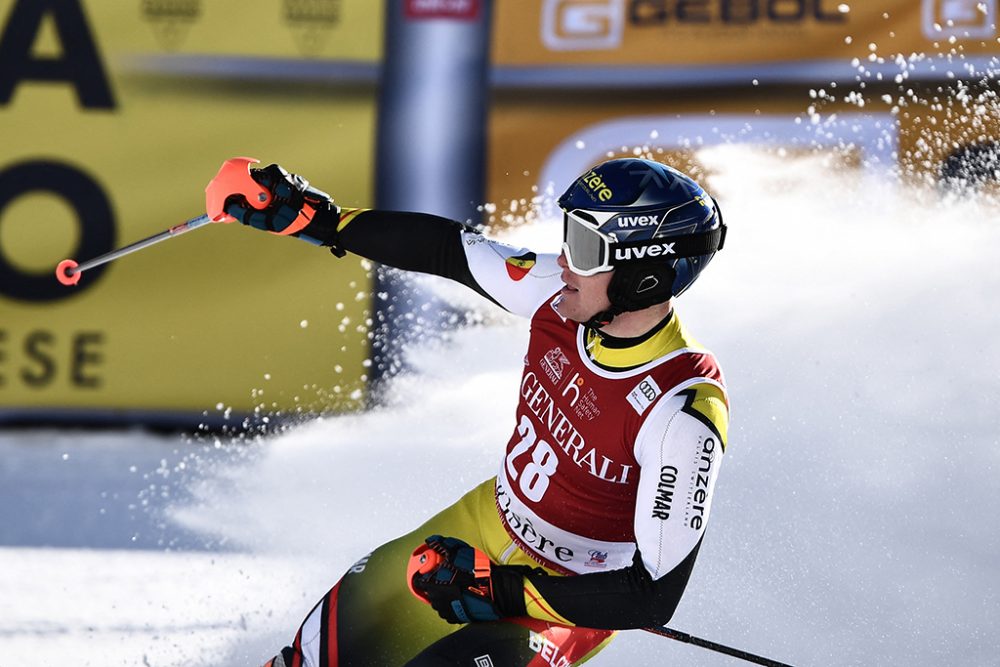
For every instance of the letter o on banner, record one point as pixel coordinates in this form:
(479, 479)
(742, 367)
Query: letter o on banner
(94, 215)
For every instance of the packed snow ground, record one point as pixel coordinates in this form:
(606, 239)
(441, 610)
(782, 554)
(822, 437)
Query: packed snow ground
(855, 521)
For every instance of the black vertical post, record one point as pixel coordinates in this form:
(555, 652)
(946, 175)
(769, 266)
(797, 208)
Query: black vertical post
(431, 143)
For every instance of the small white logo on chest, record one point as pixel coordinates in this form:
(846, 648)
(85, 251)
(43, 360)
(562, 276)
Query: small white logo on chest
(643, 394)
(554, 363)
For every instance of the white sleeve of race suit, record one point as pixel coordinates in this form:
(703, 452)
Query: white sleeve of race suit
(516, 278)
(679, 458)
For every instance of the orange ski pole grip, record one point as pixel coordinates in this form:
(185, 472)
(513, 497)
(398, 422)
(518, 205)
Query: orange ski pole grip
(423, 560)
(234, 179)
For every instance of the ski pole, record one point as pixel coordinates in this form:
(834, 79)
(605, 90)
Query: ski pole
(233, 179)
(712, 646)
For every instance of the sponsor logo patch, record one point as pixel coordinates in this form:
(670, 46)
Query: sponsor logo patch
(518, 267)
(582, 398)
(665, 489)
(484, 661)
(643, 394)
(596, 187)
(554, 364)
(598, 559)
(698, 501)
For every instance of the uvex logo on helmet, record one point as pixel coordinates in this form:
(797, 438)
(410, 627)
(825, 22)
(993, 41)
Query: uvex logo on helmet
(640, 252)
(625, 221)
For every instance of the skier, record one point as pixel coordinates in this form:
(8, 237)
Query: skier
(596, 515)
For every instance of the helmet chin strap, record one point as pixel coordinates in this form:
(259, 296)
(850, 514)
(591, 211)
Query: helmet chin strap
(603, 318)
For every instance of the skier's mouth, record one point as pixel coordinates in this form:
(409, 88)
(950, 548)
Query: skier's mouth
(567, 289)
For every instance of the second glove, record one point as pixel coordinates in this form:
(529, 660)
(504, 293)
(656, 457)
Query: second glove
(454, 578)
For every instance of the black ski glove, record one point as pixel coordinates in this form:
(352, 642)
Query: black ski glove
(462, 585)
(296, 209)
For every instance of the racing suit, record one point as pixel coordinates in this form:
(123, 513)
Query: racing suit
(604, 488)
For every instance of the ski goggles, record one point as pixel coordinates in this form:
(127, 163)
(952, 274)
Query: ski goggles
(587, 250)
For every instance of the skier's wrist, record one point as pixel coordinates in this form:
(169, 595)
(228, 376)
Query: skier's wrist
(508, 589)
(323, 229)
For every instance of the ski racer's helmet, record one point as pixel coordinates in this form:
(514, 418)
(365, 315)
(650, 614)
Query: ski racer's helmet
(651, 224)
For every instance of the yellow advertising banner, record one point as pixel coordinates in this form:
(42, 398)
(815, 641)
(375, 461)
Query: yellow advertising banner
(107, 137)
(737, 32)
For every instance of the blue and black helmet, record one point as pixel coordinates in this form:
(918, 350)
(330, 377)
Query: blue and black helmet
(650, 223)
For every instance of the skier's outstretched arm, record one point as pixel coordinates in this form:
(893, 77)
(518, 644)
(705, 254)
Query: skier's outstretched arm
(514, 278)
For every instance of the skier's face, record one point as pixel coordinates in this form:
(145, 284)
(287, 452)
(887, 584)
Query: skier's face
(582, 297)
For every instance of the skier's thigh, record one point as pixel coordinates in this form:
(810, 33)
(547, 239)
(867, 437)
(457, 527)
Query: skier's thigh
(379, 622)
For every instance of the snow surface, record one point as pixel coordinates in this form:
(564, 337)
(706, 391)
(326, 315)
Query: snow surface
(856, 516)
